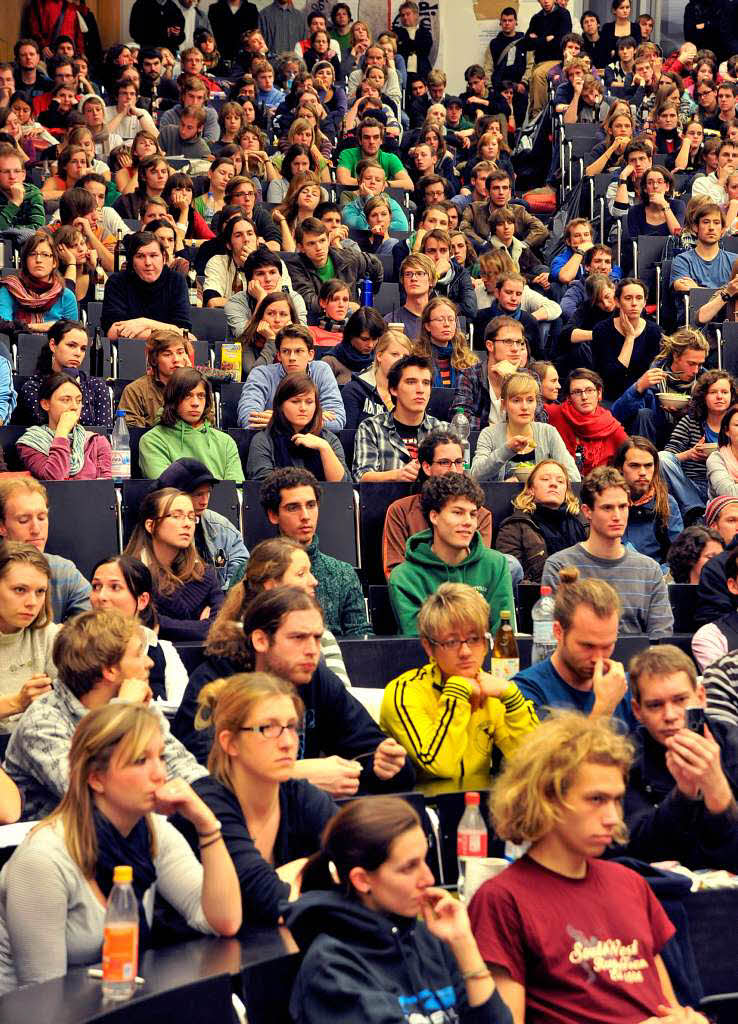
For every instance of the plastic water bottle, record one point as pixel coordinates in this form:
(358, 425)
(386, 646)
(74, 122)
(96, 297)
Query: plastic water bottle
(462, 428)
(471, 836)
(120, 938)
(544, 643)
(121, 445)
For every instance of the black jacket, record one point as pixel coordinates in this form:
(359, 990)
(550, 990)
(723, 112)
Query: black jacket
(377, 967)
(664, 825)
(556, 23)
(421, 46)
(350, 267)
(501, 70)
(228, 26)
(150, 24)
(127, 297)
(713, 597)
(335, 723)
(360, 400)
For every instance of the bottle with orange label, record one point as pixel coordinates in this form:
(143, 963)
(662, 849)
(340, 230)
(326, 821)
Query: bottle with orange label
(120, 937)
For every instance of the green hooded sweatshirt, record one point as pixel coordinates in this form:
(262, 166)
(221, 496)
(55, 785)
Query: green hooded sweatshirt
(423, 572)
(161, 446)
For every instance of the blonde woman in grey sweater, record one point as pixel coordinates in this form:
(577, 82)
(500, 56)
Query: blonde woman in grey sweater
(518, 440)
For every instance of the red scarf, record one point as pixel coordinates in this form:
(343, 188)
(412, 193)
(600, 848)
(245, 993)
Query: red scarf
(598, 433)
(32, 299)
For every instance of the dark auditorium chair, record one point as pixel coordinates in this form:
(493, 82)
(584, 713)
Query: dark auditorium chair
(206, 1001)
(209, 324)
(135, 434)
(728, 350)
(224, 499)
(498, 498)
(441, 404)
(387, 298)
(527, 595)
(683, 601)
(29, 346)
(83, 521)
(336, 523)
(94, 313)
(381, 615)
(374, 500)
(230, 393)
(243, 439)
(347, 438)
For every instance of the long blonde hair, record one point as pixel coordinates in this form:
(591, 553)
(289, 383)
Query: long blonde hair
(525, 500)
(114, 731)
(225, 704)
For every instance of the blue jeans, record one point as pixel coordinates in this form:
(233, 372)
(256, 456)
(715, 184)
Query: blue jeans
(516, 571)
(689, 494)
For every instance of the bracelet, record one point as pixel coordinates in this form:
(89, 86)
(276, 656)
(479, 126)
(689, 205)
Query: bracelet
(207, 835)
(479, 974)
(218, 837)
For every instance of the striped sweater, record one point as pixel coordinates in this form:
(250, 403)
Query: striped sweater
(637, 579)
(721, 682)
(684, 436)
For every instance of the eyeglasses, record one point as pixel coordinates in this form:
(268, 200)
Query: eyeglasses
(445, 320)
(705, 92)
(180, 517)
(242, 195)
(583, 392)
(454, 645)
(511, 342)
(414, 273)
(448, 463)
(273, 730)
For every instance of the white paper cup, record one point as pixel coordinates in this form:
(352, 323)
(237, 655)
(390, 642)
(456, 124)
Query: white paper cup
(478, 870)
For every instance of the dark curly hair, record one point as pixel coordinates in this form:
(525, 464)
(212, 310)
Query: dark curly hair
(686, 550)
(280, 480)
(439, 490)
(697, 407)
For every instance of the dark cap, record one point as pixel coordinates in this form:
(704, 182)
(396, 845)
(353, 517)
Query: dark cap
(453, 101)
(186, 475)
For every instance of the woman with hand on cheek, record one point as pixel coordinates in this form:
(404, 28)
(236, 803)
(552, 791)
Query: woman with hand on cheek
(63, 449)
(296, 436)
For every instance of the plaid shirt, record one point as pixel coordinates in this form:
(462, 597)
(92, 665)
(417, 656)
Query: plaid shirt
(379, 447)
(37, 758)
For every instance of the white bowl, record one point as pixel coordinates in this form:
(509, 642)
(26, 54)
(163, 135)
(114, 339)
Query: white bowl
(672, 399)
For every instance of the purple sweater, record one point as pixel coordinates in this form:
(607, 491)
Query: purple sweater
(179, 612)
(55, 465)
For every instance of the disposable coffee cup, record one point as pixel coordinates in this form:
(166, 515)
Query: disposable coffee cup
(478, 870)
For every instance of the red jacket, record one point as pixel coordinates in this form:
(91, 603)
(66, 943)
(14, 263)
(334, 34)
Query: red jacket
(42, 19)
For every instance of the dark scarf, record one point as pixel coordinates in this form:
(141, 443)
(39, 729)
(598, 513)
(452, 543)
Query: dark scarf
(134, 849)
(560, 528)
(288, 454)
(345, 353)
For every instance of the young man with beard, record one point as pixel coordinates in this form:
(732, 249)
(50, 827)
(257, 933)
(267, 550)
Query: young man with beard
(589, 430)
(654, 519)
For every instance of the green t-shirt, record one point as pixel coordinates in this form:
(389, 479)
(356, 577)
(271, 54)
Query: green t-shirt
(390, 164)
(326, 273)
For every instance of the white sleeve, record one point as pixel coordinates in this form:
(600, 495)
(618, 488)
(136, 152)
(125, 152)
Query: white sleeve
(179, 874)
(533, 301)
(175, 674)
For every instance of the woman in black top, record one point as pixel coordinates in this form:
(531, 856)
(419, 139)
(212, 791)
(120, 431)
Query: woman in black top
(625, 345)
(658, 213)
(622, 26)
(575, 339)
(270, 822)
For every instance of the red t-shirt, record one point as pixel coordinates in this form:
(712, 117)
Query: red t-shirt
(583, 949)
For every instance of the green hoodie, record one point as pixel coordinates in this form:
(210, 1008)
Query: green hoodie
(423, 572)
(161, 446)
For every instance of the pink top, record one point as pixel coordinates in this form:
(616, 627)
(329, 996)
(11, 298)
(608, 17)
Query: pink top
(55, 465)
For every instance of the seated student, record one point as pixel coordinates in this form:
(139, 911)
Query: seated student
(452, 280)
(263, 272)
(355, 352)
(707, 265)
(34, 298)
(518, 440)
(561, 791)
(568, 265)
(343, 750)
(722, 467)
(718, 636)
(185, 138)
(657, 213)
(217, 540)
(345, 923)
(476, 219)
(223, 270)
(65, 353)
(318, 261)
(187, 591)
(694, 546)
(432, 215)
(507, 301)
(372, 182)
(589, 430)
(607, 155)
(605, 501)
(62, 449)
(680, 803)
(480, 386)
(654, 519)
(124, 584)
(296, 437)
(440, 452)
(683, 461)
(291, 498)
(80, 207)
(440, 711)
(712, 186)
(334, 303)
(183, 430)
(714, 600)
(546, 518)
(273, 312)
(596, 260)
(575, 337)
(147, 296)
(367, 393)
(99, 656)
(256, 720)
(625, 345)
(386, 445)
(676, 368)
(116, 779)
(624, 191)
(441, 341)
(295, 349)
(369, 135)
(502, 224)
(143, 398)
(450, 551)
(27, 634)
(21, 203)
(417, 277)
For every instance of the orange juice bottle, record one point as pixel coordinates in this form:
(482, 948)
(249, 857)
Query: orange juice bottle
(120, 937)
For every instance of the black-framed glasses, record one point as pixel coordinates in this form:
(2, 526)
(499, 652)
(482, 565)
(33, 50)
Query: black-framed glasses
(273, 730)
(454, 645)
(449, 463)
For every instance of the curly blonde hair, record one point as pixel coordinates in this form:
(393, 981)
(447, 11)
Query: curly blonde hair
(525, 500)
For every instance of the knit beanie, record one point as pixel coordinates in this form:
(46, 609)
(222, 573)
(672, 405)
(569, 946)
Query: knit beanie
(716, 506)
